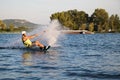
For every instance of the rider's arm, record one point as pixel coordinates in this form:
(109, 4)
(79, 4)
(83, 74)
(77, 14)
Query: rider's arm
(32, 36)
(35, 35)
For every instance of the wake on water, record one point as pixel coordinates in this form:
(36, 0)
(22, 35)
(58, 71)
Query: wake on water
(49, 37)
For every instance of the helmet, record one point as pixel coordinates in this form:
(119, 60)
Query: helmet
(23, 32)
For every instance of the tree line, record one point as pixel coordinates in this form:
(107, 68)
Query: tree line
(99, 21)
(11, 27)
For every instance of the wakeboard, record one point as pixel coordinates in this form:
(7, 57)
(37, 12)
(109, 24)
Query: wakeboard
(47, 47)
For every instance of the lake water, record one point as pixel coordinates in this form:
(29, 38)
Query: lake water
(75, 57)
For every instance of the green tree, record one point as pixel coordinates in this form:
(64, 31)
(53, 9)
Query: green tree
(114, 23)
(91, 27)
(1, 22)
(2, 25)
(72, 19)
(111, 22)
(106, 26)
(100, 16)
(99, 27)
(83, 27)
(117, 23)
(11, 27)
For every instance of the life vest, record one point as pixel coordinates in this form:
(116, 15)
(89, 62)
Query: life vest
(27, 43)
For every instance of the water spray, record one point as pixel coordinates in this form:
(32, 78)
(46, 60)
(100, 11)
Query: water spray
(52, 32)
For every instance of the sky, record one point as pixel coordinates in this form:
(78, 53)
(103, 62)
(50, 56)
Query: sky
(39, 11)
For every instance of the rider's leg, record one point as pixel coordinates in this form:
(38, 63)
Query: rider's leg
(37, 43)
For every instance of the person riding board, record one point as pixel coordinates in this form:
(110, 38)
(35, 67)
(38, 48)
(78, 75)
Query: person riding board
(28, 43)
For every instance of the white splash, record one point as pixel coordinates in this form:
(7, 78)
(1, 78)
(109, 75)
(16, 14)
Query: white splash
(52, 32)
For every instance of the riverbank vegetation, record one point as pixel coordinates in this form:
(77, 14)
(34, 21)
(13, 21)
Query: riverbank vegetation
(99, 21)
(11, 27)
(16, 25)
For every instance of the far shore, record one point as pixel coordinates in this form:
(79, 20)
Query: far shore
(9, 32)
(64, 32)
(77, 32)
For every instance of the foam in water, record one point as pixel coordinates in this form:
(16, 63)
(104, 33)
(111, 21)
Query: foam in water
(14, 42)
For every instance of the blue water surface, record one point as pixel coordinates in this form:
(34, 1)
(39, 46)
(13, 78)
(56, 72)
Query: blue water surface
(75, 57)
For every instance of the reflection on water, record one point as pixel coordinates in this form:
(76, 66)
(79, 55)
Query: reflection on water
(27, 58)
(31, 58)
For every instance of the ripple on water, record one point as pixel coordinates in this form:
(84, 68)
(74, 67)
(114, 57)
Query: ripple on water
(79, 57)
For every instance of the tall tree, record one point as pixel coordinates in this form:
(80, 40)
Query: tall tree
(117, 23)
(100, 16)
(91, 27)
(111, 22)
(72, 19)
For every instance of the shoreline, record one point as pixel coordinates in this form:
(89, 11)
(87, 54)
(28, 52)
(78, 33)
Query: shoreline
(76, 32)
(65, 32)
(9, 32)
